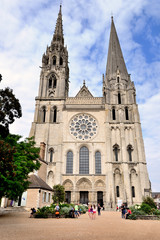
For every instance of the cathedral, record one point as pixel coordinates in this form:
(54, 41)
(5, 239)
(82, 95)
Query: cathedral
(93, 146)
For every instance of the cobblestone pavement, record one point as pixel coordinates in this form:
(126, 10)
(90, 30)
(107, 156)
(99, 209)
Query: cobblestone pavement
(18, 226)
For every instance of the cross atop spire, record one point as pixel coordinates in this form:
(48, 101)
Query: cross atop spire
(58, 33)
(115, 60)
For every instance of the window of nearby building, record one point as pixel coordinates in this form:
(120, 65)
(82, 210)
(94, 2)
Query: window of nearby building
(61, 61)
(98, 162)
(49, 197)
(117, 191)
(50, 83)
(126, 113)
(119, 98)
(55, 114)
(69, 164)
(129, 149)
(116, 149)
(44, 114)
(55, 82)
(44, 196)
(51, 155)
(54, 60)
(84, 161)
(133, 191)
(113, 114)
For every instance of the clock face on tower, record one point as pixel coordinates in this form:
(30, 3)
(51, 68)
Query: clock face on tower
(83, 126)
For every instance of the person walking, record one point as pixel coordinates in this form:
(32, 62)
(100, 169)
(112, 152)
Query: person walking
(123, 210)
(99, 209)
(76, 211)
(94, 212)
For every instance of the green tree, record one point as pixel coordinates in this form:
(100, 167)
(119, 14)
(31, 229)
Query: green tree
(58, 193)
(149, 200)
(10, 109)
(17, 160)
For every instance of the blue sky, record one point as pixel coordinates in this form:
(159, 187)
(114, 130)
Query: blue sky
(27, 26)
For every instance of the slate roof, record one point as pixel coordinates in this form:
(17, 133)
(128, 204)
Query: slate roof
(37, 182)
(115, 58)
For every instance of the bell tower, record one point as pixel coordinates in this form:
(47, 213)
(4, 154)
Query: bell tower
(117, 87)
(55, 71)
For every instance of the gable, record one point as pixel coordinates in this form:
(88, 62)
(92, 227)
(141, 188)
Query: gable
(84, 93)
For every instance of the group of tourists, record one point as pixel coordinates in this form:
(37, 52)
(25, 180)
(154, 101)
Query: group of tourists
(75, 212)
(92, 209)
(125, 211)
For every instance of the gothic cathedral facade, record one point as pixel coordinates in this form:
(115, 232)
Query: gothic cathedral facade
(91, 145)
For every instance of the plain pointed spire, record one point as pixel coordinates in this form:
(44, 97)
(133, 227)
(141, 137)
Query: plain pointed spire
(58, 33)
(115, 60)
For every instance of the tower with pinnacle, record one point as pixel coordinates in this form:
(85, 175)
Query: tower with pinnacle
(93, 146)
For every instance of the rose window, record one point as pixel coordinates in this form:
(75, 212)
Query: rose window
(83, 126)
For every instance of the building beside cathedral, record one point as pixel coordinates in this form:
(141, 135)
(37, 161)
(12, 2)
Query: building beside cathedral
(91, 145)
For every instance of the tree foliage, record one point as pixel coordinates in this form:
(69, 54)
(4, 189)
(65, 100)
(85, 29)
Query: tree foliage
(149, 200)
(17, 160)
(58, 193)
(10, 109)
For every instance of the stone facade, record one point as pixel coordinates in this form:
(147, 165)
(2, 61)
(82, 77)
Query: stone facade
(93, 145)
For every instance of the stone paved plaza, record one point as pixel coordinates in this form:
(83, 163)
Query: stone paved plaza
(18, 226)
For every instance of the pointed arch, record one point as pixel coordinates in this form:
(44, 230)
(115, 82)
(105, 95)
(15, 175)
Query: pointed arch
(54, 60)
(116, 151)
(51, 152)
(129, 150)
(83, 183)
(69, 163)
(97, 162)
(43, 114)
(84, 160)
(61, 61)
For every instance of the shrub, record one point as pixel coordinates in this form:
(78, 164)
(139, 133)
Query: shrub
(83, 208)
(138, 212)
(148, 200)
(146, 208)
(132, 217)
(155, 211)
(41, 215)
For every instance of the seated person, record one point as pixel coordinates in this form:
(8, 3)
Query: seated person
(128, 213)
(33, 210)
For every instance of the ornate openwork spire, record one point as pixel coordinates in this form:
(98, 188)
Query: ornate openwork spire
(58, 33)
(115, 60)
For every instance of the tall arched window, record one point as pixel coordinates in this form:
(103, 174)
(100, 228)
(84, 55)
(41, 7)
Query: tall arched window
(50, 83)
(55, 115)
(84, 161)
(98, 162)
(69, 163)
(54, 60)
(43, 114)
(117, 191)
(126, 113)
(133, 191)
(130, 149)
(61, 61)
(119, 98)
(51, 155)
(55, 82)
(116, 149)
(113, 114)
(118, 79)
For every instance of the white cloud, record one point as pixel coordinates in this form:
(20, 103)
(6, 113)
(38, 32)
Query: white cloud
(27, 26)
